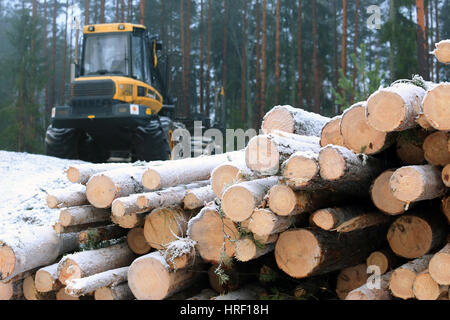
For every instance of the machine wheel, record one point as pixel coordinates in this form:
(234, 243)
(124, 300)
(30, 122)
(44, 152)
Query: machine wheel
(151, 143)
(62, 143)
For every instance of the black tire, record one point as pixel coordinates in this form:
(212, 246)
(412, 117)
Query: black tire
(62, 143)
(150, 143)
(90, 151)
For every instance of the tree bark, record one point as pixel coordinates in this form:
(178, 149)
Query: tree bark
(300, 55)
(422, 48)
(82, 215)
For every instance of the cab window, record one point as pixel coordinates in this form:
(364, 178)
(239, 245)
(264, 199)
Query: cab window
(137, 49)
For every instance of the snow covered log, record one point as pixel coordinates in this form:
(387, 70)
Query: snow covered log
(331, 133)
(293, 120)
(284, 201)
(435, 148)
(442, 51)
(417, 183)
(81, 173)
(137, 242)
(164, 225)
(247, 249)
(349, 279)
(73, 196)
(119, 292)
(418, 233)
(46, 279)
(82, 215)
(341, 164)
(265, 154)
(384, 259)
(365, 292)
(197, 197)
(214, 235)
(402, 279)
(439, 267)
(87, 263)
(359, 136)
(31, 248)
(240, 200)
(348, 218)
(301, 170)
(151, 278)
(145, 202)
(303, 253)
(435, 106)
(230, 173)
(393, 108)
(103, 188)
(382, 196)
(180, 254)
(99, 234)
(409, 146)
(82, 286)
(185, 171)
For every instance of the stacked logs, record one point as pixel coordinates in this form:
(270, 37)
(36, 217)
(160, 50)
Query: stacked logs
(361, 197)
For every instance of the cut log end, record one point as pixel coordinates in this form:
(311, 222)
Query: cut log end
(101, 191)
(410, 237)
(282, 200)
(383, 197)
(350, 279)
(68, 271)
(288, 247)
(52, 201)
(300, 170)
(278, 119)
(401, 283)
(222, 177)
(6, 291)
(44, 281)
(118, 208)
(385, 111)
(238, 203)
(331, 133)
(151, 179)
(446, 175)
(332, 164)
(136, 241)
(261, 154)
(380, 260)
(407, 184)
(62, 295)
(440, 268)
(7, 262)
(149, 279)
(435, 107)
(104, 293)
(324, 219)
(73, 174)
(245, 250)
(435, 149)
(425, 288)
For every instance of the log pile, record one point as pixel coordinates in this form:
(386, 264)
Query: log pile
(360, 198)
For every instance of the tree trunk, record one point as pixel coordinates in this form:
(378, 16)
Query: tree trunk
(240, 200)
(45, 57)
(82, 215)
(102, 11)
(32, 248)
(355, 47)
(436, 12)
(64, 68)
(294, 120)
(394, 108)
(277, 53)
(142, 12)
(422, 48)
(416, 234)
(185, 170)
(87, 263)
(150, 278)
(208, 60)
(382, 196)
(435, 106)
(244, 64)
(258, 115)
(71, 197)
(265, 154)
(306, 252)
(346, 219)
(417, 183)
(87, 4)
(359, 136)
(300, 55)
(344, 38)
(202, 59)
(402, 278)
(317, 84)
(53, 70)
(83, 286)
(263, 58)
(103, 188)
(214, 235)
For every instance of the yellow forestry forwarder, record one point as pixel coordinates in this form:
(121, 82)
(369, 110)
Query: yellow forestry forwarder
(119, 105)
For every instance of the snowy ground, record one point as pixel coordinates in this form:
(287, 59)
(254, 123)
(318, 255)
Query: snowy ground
(25, 180)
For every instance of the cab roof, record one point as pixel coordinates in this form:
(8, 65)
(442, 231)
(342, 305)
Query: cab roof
(111, 27)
